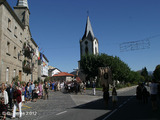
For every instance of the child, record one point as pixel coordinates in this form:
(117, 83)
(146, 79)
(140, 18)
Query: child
(114, 97)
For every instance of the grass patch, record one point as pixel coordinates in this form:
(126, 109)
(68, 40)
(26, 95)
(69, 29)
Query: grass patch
(100, 89)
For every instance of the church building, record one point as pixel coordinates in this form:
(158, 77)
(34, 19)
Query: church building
(88, 43)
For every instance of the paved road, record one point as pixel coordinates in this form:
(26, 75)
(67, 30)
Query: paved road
(88, 107)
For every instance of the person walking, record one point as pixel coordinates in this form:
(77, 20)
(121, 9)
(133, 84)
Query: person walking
(46, 87)
(139, 92)
(10, 91)
(114, 97)
(105, 94)
(17, 96)
(23, 92)
(35, 93)
(154, 91)
(145, 94)
(40, 90)
(159, 90)
(94, 88)
(3, 102)
(52, 86)
(26, 94)
(32, 86)
(81, 87)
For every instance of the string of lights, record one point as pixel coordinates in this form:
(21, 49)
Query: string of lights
(137, 45)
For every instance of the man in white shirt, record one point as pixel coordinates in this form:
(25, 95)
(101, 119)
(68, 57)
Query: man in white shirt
(154, 91)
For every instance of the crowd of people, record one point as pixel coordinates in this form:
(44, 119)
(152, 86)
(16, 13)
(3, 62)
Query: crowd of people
(73, 87)
(13, 95)
(142, 93)
(10, 95)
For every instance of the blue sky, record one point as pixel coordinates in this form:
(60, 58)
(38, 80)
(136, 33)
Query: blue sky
(58, 25)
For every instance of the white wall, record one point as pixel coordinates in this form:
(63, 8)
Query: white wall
(56, 71)
(44, 68)
(95, 47)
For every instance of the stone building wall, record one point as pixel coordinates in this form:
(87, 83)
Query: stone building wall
(12, 37)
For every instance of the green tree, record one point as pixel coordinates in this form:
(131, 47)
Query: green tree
(135, 77)
(156, 73)
(90, 64)
(144, 73)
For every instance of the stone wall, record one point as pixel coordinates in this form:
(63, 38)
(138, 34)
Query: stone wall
(12, 39)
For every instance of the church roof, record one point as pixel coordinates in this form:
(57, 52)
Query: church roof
(22, 3)
(88, 30)
(63, 74)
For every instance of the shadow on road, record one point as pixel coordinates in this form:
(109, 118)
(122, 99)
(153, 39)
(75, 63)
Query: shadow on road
(100, 105)
(128, 108)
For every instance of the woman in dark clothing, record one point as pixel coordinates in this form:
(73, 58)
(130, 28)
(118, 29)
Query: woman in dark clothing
(3, 102)
(145, 94)
(139, 92)
(105, 94)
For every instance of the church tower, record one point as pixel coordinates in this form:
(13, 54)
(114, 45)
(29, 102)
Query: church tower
(22, 11)
(88, 43)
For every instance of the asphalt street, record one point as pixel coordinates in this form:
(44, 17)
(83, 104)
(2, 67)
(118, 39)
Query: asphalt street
(62, 106)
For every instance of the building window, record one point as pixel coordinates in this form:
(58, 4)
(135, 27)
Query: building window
(8, 48)
(21, 37)
(20, 56)
(86, 50)
(15, 31)
(96, 52)
(86, 42)
(7, 74)
(15, 52)
(9, 25)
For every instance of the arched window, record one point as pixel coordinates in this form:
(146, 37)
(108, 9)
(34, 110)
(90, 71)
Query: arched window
(96, 52)
(86, 42)
(86, 50)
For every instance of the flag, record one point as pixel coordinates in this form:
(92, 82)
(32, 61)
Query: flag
(38, 55)
(41, 57)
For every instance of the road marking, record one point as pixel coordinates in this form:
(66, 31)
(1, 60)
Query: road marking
(25, 107)
(61, 113)
(125, 102)
(118, 108)
(120, 105)
(110, 114)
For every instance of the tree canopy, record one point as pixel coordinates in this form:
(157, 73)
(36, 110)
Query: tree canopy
(156, 73)
(144, 73)
(120, 70)
(90, 64)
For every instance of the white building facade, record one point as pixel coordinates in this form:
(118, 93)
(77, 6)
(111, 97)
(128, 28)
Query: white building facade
(44, 66)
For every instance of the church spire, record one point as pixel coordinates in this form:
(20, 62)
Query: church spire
(88, 29)
(88, 43)
(23, 3)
